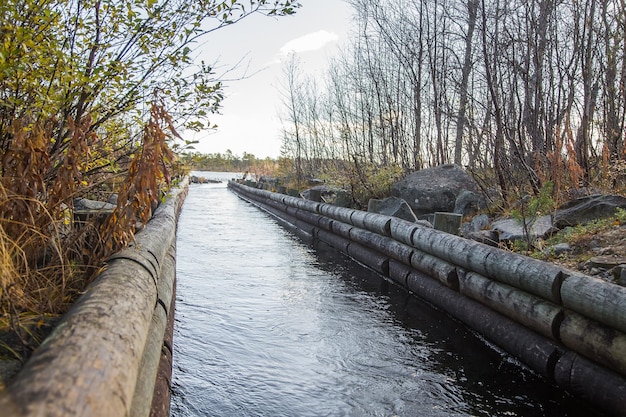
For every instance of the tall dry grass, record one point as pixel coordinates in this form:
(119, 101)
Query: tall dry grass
(47, 256)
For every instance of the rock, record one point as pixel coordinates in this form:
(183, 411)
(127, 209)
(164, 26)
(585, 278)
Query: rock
(511, 229)
(479, 222)
(428, 218)
(392, 206)
(606, 262)
(343, 199)
(434, 189)
(617, 272)
(586, 209)
(488, 237)
(469, 202)
(83, 204)
(448, 222)
(560, 248)
(326, 192)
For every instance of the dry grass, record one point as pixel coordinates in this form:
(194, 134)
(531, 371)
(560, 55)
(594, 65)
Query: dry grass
(46, 257)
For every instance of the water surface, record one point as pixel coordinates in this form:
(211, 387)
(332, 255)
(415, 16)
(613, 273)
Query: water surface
(267, 325)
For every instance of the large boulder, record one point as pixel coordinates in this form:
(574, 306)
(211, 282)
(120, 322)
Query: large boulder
(392, 206)
(586, 209)
(469, 202)
(434, 189)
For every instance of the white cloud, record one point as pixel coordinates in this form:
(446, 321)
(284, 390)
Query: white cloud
(311, 42)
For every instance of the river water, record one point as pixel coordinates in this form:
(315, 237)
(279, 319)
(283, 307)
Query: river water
(267, 325)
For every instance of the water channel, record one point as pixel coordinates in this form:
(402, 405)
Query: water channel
(267, 325)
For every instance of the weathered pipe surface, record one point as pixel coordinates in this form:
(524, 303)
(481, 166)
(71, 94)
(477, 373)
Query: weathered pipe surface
(539, 353)
(292, 211)
(326, 223)
(303, 204)
(89, 364)
(275, 204)
(533, 312)
(402, 230)
(594, 340)
(338, 213)
(435, 267)
(399, 272)
(331, 239)
(591, 382)
(162, 390)
(146, 380)
(373, 222)
(596, 299)
(441, 270)
(383, 244)
(369, 257)
(340, 228)
(536, 277)
(311, 218)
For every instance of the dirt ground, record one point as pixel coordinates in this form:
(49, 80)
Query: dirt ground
(598, 254)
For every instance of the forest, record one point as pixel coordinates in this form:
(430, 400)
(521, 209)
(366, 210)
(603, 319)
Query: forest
(520, 93)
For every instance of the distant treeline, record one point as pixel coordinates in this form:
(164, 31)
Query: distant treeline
(229, 162)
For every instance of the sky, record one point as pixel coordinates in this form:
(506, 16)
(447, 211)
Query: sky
(249, 117)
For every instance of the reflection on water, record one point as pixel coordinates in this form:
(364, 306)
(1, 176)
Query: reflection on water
(268, 326)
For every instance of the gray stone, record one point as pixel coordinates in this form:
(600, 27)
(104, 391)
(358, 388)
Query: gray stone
(606, 261)
(479, 222)
(315, 195)
(343, 199)
(434, 189)
(469, 202)
(488, 237)
(326, 192)
(112, 199)
(587, 209)
(428, 218)
(392, 206)
(560, 248)
(83, 204)
(448, 222)
(511, 229)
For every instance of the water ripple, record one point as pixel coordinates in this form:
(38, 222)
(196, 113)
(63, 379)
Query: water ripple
(267, 326)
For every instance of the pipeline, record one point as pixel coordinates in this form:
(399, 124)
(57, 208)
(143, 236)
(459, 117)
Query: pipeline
(568, 327)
